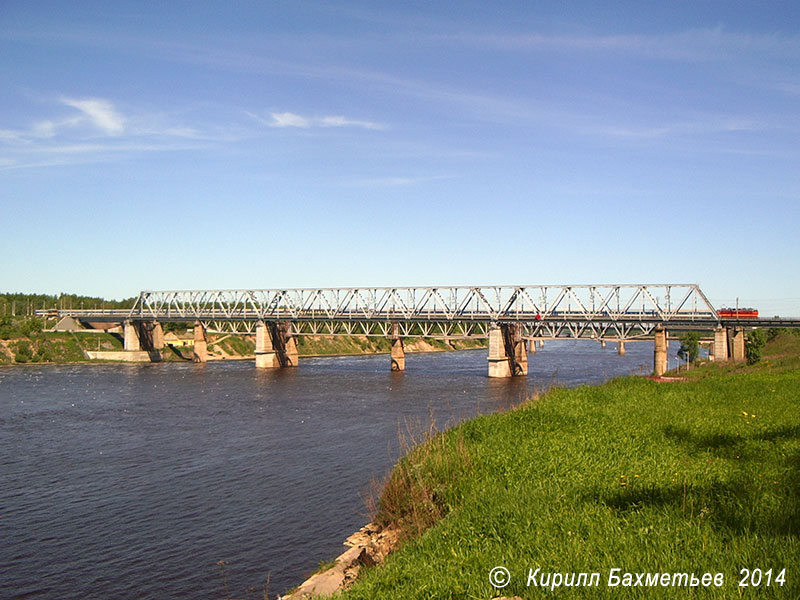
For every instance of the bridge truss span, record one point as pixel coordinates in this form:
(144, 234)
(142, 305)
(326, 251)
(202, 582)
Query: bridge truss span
(618, 310)
(509, 317)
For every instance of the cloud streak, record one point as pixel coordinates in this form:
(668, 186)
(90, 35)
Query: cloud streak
(100, 113)
(95, 131)
(289, 119)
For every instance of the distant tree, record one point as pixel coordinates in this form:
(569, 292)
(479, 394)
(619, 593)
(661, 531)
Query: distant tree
(690, 346)
(754, 344)
(30, 326)
(177, 327)
(6, 328)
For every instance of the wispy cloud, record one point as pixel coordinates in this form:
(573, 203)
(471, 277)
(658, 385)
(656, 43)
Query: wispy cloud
(289, 119)
(89, 130)
(94, 130)
(100, 113)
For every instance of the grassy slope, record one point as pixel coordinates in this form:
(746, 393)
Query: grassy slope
(702, 476)
(56, 347)
(49, 347)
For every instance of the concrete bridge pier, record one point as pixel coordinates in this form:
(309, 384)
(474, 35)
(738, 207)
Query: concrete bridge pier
(276, 345)
(290, 345)
(719, 349)
(266, 357)
(660, 352)
(602, 343)
(130, 334)
(736, 344)
(532, 347)
(521, 356)
(621, 347)
(200, 353)
(398, 350)
(142, 341)
(507, 354)
(151, 338)
(158, 336)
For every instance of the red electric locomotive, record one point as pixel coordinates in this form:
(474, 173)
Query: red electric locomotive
(738, 313)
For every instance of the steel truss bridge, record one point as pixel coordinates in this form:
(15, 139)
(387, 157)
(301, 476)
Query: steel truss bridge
(613, 311)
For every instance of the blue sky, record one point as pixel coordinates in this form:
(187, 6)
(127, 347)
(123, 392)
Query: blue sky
(187, 145)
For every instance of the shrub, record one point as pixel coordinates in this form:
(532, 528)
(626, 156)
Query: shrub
(22, 352)
(6, 328)
(754, 344)
(690, 347)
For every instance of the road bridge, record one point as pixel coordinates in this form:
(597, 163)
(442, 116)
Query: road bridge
(512, 318)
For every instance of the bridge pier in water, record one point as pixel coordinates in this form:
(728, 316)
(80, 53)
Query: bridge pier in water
(507, 354)
(200, 352)
(398, 356)
(266, 358)
(276, 346)
(140, 338)
(158, 336)
(130, 341)
(660, 352)
(621, 347)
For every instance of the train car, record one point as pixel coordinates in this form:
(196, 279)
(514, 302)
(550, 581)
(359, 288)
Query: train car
(737, 313)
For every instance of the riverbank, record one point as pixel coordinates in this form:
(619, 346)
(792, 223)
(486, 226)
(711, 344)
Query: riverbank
(694, 477)
(43, 347)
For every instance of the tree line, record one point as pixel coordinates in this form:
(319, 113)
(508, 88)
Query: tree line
(20, 305)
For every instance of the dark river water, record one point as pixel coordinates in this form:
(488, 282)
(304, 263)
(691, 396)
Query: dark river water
(134, 481)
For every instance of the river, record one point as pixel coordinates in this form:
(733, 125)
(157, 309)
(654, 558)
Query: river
(135, 481)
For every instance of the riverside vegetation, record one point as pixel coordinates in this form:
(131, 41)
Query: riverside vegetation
(700, 476)
(23, 341)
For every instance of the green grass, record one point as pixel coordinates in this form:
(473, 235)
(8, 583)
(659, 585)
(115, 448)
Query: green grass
(50, 347)
(235, 345)
(781, 355)
(696, 477)
(341, 345)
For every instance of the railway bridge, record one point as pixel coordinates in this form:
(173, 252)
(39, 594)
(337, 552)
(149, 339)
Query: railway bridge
(513, 318)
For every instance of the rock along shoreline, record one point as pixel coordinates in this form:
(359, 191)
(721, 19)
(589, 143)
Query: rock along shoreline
(367, 547)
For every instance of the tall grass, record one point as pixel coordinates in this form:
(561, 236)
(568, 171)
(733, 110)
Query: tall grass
(416, 494)
(694, 477)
